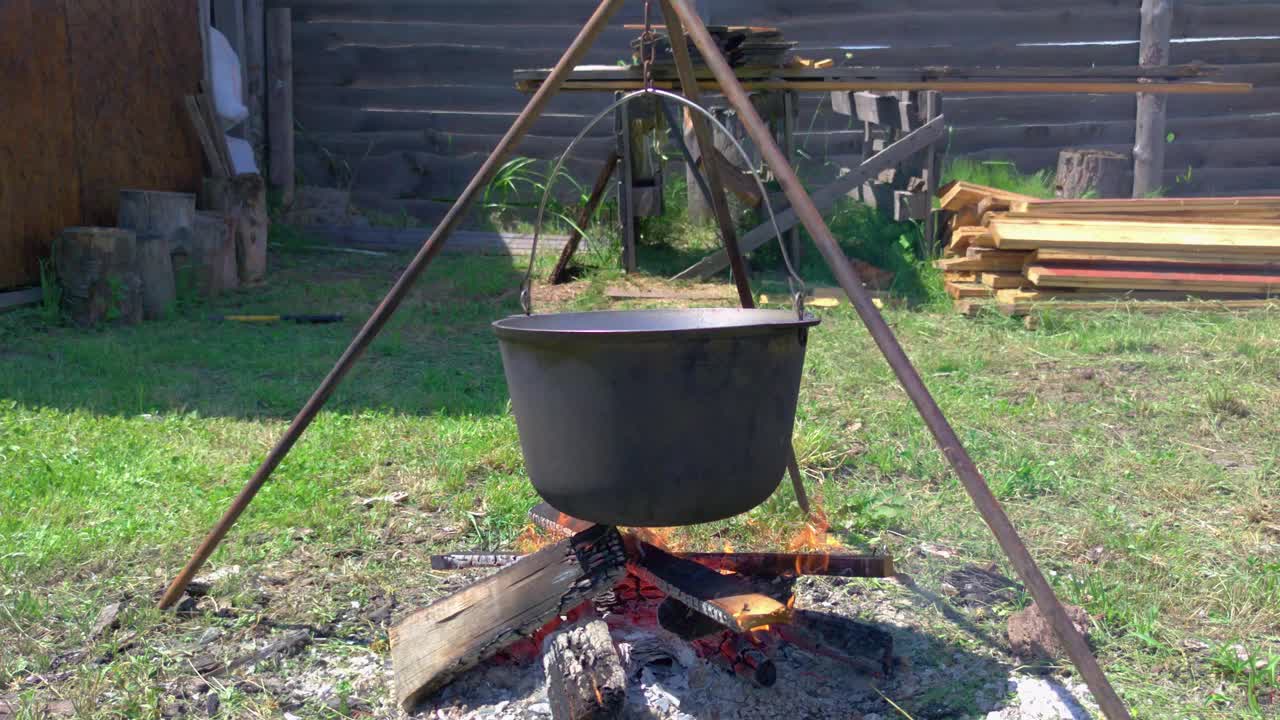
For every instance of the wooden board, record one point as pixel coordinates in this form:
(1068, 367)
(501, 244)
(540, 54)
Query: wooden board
(1003, 280)
(958, 194)
(964, 237)
(995, 261)
(961, 291)
(1207, 258)
(961, 277)
(1015, 309)
(39, 182)
(1136, 278)
(728, 599)
(433, 645)
(1267, 206)
(1032, 234)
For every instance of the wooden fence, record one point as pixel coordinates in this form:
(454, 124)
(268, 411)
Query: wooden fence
(399, 99)
(92, 96)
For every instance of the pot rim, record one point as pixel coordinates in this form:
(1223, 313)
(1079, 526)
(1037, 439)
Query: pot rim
(655, 323)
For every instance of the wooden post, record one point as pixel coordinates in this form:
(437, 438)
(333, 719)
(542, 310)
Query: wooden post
(1149, 140)
(97, 269)
(932, 169)
(280, 100)
(626, 186)
(210, 260)
(1102, 173)
(255, 69)
(789, 110)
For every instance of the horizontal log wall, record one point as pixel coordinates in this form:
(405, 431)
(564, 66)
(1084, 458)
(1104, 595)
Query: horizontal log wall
(401, 99)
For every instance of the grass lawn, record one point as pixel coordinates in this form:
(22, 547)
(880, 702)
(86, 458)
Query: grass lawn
(1137, 454)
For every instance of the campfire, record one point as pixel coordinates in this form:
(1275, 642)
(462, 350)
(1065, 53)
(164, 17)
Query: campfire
(563, 601)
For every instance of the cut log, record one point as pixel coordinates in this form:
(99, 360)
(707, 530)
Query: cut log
(727, 599)
(430, 647)
(958, 194)
(243, 200)
(1027, 233)
(585, 679)
(209, 266)
(162, 222)
(1189, 278)
(1100, 173)
(98, 270)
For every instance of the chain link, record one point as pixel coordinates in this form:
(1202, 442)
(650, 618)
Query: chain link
(648, 46)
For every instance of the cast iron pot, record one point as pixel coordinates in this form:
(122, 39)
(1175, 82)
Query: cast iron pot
(655, 417)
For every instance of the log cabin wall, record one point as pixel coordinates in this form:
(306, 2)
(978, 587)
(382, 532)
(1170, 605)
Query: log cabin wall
(400, 99)
(92, 95)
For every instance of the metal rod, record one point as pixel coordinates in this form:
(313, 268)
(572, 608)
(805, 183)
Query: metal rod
(952, 449)
(720, 205)
(590, 31)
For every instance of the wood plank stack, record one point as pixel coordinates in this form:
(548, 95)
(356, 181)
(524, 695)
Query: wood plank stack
(743, 46)
(1019, 250)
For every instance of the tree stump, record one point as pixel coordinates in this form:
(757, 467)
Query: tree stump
(97, 268)
(1093, 173)
(162, 222)
(243, 200)
(208, 267)
(585, 679)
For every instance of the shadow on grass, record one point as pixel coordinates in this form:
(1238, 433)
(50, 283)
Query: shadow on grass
(437, 354)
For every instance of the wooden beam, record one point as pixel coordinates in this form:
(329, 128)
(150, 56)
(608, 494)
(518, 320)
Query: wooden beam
(955, 86)
(1154, 35)
(280, 100)
(909, 145)
(453, 634)
(255, 71)
(1205, 258)
(1265, 206)
(959, 194)
(1032, 234)
(728, 599)
(735, 179)
(963, 291)
(1015, 309)
(988, 262)
(1190, 278)
(1003, 280)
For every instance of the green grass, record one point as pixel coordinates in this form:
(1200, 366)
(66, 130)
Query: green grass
(1136, 454)
(999, 174)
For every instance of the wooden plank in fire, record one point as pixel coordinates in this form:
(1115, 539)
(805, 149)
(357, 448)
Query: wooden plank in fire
(728, 599)
(549, 518)
(773, 564)
(431, 646)
(468, 560)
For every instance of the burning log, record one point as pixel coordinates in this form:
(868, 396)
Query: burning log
(585, 679)
(726, 599)
(796, 564)
(549, 518)
(749, 661)
(430, 647)
(466, 560)
(687, 623)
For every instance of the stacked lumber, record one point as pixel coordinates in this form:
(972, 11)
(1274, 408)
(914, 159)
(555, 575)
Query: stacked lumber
(1021, 251)
(742, 45)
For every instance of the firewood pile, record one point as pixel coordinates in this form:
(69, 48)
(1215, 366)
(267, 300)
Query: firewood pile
(1021, 253)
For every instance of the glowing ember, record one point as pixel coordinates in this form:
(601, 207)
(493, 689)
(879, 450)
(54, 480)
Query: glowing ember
(533, 539)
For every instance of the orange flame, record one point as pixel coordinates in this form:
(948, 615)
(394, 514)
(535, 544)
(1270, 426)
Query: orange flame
(813, 536)
(659, 537)
(532, 539)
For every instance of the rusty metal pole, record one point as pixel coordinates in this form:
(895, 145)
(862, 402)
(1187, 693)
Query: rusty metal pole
(952, 449)
(719, 202)
(590, 31)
